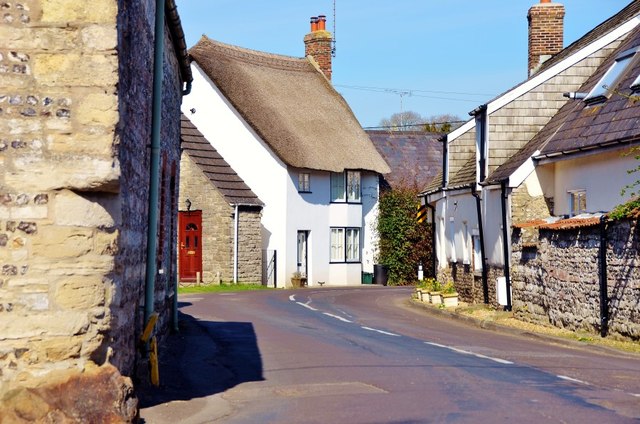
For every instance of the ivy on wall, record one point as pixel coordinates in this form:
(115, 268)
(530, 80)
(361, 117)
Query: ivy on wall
(404, 243)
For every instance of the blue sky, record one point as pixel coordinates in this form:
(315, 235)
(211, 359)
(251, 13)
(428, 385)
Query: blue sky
(430, 56)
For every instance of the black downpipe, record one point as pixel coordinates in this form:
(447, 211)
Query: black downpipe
(433, 238)
(604, 299)
(485, 283)
(505, 245)
(445, 167)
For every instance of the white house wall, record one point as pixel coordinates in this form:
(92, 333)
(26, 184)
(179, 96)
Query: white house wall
(286, 210)
(458, 213)
(601, 175)
(267, 175)
(492, 225)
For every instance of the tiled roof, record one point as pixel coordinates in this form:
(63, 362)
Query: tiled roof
(615, 120)
(414, 157)
(214, 167)
(465, 175)
(561, 224)
(291, 105)
(577, 128)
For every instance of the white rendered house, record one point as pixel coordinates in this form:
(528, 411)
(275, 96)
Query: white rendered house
(295, 142)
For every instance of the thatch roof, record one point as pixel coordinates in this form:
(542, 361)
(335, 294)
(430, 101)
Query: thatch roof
(215, 168)
(291, 106)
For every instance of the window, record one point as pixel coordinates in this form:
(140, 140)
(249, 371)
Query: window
(304, 182)
(345, 245)
(353, 186)
(345, 186)
(477, 252)
(577, 202)
(601, 91)
(337, 187)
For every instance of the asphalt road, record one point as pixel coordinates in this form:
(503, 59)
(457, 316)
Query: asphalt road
(365, 355)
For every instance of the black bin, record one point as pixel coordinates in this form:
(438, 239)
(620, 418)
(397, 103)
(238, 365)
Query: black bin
(380, 274)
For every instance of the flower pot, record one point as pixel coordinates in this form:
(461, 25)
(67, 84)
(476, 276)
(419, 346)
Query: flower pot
(435, 298)
(450, 300)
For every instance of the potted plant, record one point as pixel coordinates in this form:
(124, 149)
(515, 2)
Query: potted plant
(435, 292)
(423, 289)
(298, 280)
(449, 295)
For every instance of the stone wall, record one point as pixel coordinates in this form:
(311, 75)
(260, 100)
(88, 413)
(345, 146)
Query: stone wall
(218, 229)
(469, 283)
(75, 122)
(250, 245)
(557, 280)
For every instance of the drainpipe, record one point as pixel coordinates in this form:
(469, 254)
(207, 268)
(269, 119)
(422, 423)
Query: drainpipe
(485, 284)
(154, 172)
(235, 246)
(604, 300)
(505, 245)
(433, 238)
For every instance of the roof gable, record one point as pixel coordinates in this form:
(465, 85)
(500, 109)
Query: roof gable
(292, 107)
(214, 167)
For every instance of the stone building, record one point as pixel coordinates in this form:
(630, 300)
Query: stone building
(220, 235)
(77, 177)
(476, 197)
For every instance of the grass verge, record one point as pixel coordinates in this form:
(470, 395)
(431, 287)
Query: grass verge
(221, 288)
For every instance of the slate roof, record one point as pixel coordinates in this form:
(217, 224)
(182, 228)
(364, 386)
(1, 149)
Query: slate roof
(577, 128)
(214, 167)
(415, 157)
(292, 107)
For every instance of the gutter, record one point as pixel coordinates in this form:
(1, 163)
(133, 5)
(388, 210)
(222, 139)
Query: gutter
(434, 269)
(604, 300)
(154, 172)
(505, 244)
(485, 284)
(236, 224)
(165, 10)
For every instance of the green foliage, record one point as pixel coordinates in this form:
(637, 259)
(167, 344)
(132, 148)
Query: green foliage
(632, 188)
(631, 209)
(448, 288)
(404, 243)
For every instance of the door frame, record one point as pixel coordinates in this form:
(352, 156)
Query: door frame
(185, 218)
(299, 265)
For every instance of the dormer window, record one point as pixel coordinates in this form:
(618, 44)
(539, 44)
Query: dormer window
(604, 87)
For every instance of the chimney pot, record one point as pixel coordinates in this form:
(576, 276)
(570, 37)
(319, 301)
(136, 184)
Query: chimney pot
(314, 23)
(322, 22)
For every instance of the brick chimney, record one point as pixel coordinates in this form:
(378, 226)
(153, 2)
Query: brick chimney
(546, 31)
(318, 44)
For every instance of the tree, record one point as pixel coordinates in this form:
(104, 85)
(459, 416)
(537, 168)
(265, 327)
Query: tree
(413, 121)
(404, 243)
(403, 121)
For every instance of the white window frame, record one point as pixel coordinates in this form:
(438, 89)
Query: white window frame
(304, 182)
(345, 245)
(346, 187)
(577, 202)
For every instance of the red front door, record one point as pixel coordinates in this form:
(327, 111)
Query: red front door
(190, 250)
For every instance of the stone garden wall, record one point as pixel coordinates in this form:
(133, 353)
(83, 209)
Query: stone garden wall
(556, 279)
(75, 125)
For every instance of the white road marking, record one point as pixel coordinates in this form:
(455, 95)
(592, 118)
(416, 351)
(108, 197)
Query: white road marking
(575, 380)
(292, 298)
(380, 331)
(336, 317)
(306, 306)
(466, 352)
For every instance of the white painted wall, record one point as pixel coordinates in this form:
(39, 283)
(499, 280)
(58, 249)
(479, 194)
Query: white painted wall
(456, 220)
(492, 220)
(286, 210)
(602, 175)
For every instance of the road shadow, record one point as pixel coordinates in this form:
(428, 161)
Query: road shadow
(202, 359)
